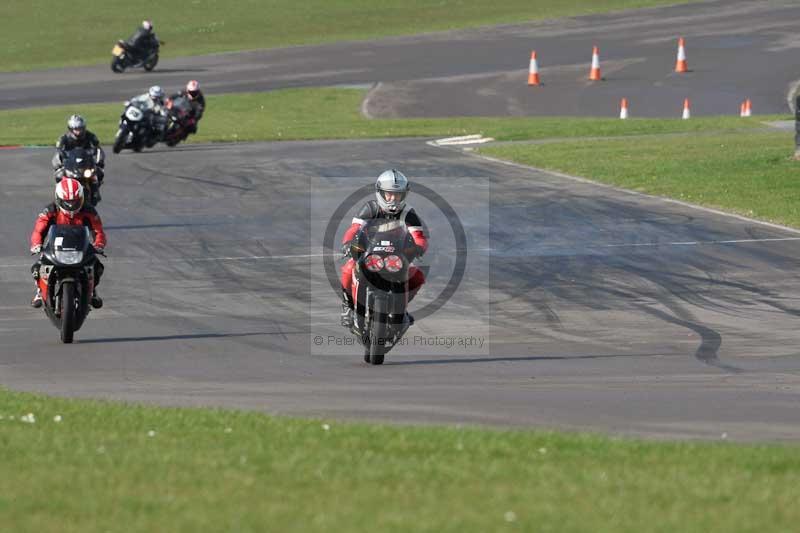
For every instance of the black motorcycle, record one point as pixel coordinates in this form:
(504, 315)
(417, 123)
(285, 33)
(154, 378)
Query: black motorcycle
(80, 164)
(134, 129)
(383, 251)
(124, 57)
(66, 277)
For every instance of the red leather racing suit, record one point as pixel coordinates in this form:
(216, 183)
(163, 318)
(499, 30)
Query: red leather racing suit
(86, 217)
(52, 215)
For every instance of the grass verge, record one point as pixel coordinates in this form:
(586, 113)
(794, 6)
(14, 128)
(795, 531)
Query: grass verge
(43, 33)
(116, 467)
(746, 172)
(333, 113)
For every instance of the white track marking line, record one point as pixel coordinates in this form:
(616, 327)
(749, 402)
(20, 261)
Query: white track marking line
(635, 193)
(692, 243)
(542, 245)
(365, 102)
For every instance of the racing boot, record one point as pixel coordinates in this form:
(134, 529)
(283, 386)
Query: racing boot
(36, 301)
(408, 321)
(96, 301)
(347, 311)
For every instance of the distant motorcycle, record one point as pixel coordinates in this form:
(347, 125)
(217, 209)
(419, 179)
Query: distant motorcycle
(134, 129)
(66, 277)
(79, 164)
(179, 118)
(383, 251)
(124, 58)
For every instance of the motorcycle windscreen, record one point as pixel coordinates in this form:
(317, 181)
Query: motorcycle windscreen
(67, 238)
(379, 230)
(66, 244)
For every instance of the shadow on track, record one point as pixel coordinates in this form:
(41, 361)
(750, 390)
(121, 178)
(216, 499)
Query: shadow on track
(179, 337)
(512, 359)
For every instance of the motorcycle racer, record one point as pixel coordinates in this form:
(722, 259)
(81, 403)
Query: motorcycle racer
(77, 136)
(143, 40)
(391, 190)
(152, 103)
(198, 100)
(68, 208)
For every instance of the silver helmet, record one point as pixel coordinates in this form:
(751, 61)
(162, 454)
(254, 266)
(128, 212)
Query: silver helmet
(394, 182)
(156, 93)
(76, 125)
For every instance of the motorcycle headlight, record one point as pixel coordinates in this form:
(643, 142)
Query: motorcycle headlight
(88, 173)
(373, 263)
(393, 263)
(69, 257)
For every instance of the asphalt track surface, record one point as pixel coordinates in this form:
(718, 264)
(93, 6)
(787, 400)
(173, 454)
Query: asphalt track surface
(597, 309)
(736, 50)
(581, 306)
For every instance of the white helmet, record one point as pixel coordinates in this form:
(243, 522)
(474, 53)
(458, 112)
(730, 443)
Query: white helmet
(147, 25)
(156, 93)
(394, 182)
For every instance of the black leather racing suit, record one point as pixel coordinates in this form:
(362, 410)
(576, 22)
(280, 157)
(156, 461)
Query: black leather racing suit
(141, 42)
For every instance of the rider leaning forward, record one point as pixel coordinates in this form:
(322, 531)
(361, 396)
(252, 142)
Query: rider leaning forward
(391, 190)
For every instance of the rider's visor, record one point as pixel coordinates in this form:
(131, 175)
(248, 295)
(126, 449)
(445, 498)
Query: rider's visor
(71, 206)
(393, 197)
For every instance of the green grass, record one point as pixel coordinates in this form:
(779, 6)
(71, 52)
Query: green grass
(334, 114)
(212, 470)
(724, 162)
(44, 33)
(746, 172)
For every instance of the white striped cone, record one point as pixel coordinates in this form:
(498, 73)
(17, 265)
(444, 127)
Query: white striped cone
(686, 112)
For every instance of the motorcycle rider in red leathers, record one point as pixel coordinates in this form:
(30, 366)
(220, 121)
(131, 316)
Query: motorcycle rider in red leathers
(198, 101)
(68, 208)
(391, 190)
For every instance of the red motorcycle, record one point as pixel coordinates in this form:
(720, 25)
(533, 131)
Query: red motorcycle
(179, 120)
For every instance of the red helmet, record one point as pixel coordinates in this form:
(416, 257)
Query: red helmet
(193, 88)
(69, 196)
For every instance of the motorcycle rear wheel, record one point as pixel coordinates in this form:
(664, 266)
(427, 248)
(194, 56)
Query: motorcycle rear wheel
(67, 312)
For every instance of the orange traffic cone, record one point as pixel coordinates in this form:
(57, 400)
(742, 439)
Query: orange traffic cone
(680, 64)
(623, 108)
(594, 73)
(748, 108)
(686, 112)
(533, 71)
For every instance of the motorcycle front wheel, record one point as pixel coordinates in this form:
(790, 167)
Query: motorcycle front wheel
(119, 141)
(376, 349)
(67, 312)
(117, 65)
